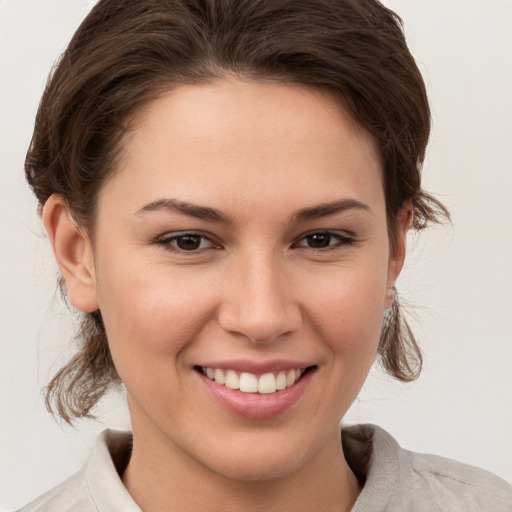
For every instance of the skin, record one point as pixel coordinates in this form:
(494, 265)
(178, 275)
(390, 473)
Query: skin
(255, 289)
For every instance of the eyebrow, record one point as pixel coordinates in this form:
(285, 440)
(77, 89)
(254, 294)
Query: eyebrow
(327, 209)
(214, 215)
(190, 209)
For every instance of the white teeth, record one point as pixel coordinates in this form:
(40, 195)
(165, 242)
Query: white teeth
(251, 383)
(281, 381)
(232, 380)
(218, 375)
(248, 383)
(267, 383)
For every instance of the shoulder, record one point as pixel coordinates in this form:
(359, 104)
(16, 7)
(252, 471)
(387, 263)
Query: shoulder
(98, 485)
(400, 480)
(451, 482)
(70, 496)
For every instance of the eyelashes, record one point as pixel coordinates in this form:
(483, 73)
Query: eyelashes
(191, 242)
(187, 242)
(324, 240)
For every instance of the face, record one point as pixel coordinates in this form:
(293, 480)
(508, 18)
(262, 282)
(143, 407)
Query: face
(243, 243)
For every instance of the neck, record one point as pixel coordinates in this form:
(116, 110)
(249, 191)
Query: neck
(160, 476)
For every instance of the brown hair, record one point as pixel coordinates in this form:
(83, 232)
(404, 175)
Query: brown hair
(126, 52)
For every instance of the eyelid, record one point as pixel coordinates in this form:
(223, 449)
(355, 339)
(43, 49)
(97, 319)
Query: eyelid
(342, 237)
(167, 238)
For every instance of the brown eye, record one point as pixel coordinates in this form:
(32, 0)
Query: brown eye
(324, 240)
(186, 242)
(319, 240)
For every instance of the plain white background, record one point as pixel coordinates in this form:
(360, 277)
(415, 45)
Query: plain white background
(457, 281)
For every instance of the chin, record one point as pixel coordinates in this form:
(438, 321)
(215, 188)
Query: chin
(258, 461)
(259, 469)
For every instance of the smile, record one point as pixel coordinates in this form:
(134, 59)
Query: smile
(246, 382)
(264, 393)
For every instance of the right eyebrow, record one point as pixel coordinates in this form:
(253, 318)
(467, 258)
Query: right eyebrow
(185, 208)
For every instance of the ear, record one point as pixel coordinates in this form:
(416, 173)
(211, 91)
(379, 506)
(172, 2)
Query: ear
(397, 255)
(73, 252)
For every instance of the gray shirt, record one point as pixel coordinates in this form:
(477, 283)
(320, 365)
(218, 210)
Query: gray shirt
(395, 480)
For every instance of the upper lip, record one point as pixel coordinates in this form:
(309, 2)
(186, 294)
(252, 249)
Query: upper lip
(257, 367)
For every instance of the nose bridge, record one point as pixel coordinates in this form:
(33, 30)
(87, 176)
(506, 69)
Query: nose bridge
(259, 301)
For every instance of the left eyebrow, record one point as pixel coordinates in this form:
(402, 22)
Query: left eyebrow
(326, 209)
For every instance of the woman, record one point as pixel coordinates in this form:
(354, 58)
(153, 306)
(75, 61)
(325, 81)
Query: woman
(228, 187)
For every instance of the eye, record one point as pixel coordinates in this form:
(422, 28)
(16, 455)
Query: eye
(186, 242)
(324, 240)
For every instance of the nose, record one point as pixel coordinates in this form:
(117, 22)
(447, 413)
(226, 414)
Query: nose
(258, 301)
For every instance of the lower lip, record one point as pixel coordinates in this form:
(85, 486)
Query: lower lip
(257, 405)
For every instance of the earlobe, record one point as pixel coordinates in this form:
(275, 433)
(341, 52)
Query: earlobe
(397, 256)
(73, 252)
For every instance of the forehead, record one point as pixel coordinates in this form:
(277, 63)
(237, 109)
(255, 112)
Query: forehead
(264, 141)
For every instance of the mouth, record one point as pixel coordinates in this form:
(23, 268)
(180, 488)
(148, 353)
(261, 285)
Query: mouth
(266, 392)
(247, 382)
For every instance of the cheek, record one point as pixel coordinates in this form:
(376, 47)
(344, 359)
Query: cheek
(150, 315)
(348, 311)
